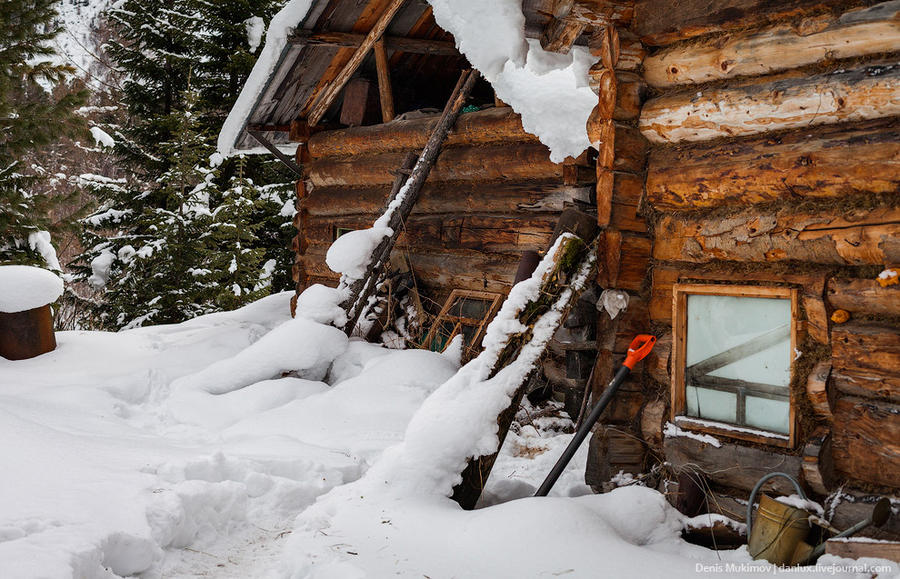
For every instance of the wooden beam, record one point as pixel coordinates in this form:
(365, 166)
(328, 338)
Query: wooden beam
(331, 92)
(830, 236)
(867, 440)
(396, 43)
(759, 107)
(385, 90)
(828, 162)
(863, 296)
(856, 33)
(287, 161)
(662, 22)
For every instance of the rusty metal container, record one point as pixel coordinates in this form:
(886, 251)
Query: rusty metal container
(777, 531)
(27, 334)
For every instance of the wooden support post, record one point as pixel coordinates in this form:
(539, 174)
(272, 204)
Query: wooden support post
(328, 96)
(385, 90)
(572, 259)
(360, 289)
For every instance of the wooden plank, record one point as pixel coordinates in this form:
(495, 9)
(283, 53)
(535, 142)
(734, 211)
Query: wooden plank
(828, 162)
(427, 46)
(759, 107)
(483, 164)
(859, 547)
(325, 99)
(662, 22)
(730, 464)
(855, 33)
(867, 440)
(848, 237)
(866, 359)
(385, 90)
(863, 296)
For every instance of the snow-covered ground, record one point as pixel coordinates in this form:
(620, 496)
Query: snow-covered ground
(181, 451)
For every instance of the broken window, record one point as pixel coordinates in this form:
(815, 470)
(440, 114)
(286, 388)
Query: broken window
(466, 313)
(733, 359)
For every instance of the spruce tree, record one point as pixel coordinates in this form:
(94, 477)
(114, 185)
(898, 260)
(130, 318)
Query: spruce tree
(36, 107)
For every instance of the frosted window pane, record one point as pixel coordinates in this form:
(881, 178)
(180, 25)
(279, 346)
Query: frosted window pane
(718, 323)
(768, 414)
(711, 404)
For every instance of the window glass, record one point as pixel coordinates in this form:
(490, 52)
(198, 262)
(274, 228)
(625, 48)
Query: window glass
(738, 347)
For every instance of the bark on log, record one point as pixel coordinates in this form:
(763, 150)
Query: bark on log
(631, 50)
(657, 364)
(662, 22)
(855, 33)
(477, 128)
(482, 164)
(653, 418)
(759, 107)
(850, 237)
(866, 359)
(863, 296)
(731, 465)
(834, 161)
(631, 91)
(819, 392)
(867, 440)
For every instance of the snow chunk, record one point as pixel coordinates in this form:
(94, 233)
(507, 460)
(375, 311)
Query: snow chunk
(255, 28)
(100, 266)
(349, 254)
(551, 91)
(672, 431)
(39, 241)
(23, 288)
(320, 304)
(798, 502)
(298, 345)
(102, 138)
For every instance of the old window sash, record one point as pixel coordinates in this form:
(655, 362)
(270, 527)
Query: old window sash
(466, 312)
(698, 372)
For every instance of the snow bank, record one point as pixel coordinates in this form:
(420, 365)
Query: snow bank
(321, 304)
(296, 346)
(24, 287)
(281, 26)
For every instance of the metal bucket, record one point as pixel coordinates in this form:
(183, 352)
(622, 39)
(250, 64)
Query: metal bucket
(777, 531)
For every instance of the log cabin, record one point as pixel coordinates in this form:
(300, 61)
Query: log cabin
(744, 175)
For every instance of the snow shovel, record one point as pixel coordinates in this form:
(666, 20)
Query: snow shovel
(637, 351)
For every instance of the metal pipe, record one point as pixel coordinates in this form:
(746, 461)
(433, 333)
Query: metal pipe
(880, 514)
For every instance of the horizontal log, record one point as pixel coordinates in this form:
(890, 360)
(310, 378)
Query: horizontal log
(730, 465)
(760, 106)
(498, 124)
(861, 548)
(833, 161)
(500, 163)
(817, 390)
(867, 440)
(855, 33)
(509, 234)
(351, 40)
(849, 237)
(866, 359)
(818, 462)
(631, 51)
(863, 296)
(535, 196)
(662, 22)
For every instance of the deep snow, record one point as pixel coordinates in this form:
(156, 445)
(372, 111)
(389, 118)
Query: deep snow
(119, 459)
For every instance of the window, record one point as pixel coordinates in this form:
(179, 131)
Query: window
(732, 362)
(466, 313)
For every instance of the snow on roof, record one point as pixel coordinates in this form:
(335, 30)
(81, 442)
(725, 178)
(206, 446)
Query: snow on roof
(23, 287)
(550, 91)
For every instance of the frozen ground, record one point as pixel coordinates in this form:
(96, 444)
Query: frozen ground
(180, 451)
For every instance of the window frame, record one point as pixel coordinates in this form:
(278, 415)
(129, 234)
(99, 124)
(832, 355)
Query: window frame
(680, 292)
(494, 299)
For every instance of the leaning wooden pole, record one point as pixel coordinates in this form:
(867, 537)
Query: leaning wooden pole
(574, 262)
(402, 201)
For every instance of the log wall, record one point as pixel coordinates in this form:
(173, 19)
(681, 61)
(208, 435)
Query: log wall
(775, 159)
(492, 195)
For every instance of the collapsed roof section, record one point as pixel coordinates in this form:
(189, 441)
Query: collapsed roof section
(310, 43)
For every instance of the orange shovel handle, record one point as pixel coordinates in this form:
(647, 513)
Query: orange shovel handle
(639, 349)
